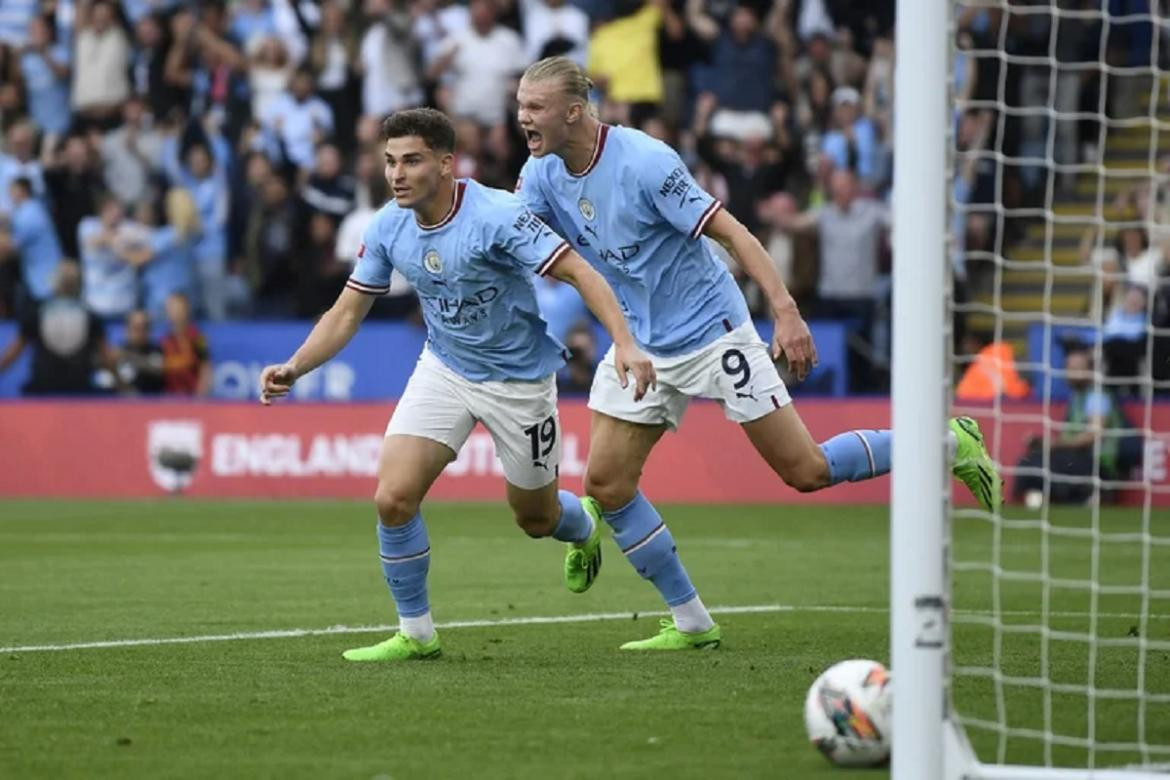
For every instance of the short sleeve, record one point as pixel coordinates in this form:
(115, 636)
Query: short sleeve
(529, 191)
(673, 193)
(372, 268)
(526, 238)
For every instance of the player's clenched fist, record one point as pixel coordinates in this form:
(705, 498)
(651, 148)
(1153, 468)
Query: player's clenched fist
(275, 382)
(630, 358)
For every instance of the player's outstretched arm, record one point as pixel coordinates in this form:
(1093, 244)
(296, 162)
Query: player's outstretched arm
(791, 336)
(331, 333)
(598, 296)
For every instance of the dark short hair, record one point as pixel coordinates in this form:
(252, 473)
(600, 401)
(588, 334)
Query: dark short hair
(25, 184)
(432, 126)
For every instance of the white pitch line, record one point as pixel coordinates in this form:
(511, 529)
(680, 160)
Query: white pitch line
(485, 623)
(537, 620)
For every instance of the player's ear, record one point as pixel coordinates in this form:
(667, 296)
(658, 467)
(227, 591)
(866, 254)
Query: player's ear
(573, 113)
(446, 163)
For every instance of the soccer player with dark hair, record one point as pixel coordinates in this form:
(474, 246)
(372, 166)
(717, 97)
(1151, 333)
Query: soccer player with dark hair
(470, 252)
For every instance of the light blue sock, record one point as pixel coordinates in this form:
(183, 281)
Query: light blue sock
(646, 542)
(406, 558)
(575, 525)
(858, 455)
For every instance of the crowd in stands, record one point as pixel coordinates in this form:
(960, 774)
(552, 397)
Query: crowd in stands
(1091, 62)
(229, 150)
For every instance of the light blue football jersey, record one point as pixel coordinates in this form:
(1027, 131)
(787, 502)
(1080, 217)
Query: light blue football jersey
(473, 274)
(637, 215)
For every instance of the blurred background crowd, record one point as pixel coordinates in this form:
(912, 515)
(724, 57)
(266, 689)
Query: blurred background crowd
(228, 153)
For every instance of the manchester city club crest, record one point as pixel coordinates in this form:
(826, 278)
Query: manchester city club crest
(432, 263)
(587, 209)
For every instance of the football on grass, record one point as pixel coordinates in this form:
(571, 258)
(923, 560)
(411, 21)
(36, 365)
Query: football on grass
(847, 713)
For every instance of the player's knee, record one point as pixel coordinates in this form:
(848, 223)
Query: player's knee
(536, 524)
(609, 490)
(809, 474)
(394, 506)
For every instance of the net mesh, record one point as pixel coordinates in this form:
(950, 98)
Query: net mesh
(1060, 228)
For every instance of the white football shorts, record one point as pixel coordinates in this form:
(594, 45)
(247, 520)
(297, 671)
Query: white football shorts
(521, 417)
(735, 370)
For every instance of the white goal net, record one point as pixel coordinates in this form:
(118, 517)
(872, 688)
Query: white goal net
(1058, 236)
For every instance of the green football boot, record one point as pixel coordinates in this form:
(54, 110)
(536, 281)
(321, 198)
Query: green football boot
(670, 638)
(974, 466)
(399, 647)
(583, 559)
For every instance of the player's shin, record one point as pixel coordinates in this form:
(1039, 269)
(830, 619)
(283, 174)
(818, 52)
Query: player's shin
(405, 551)
(575, 525)
(649, 546)
(858, 455)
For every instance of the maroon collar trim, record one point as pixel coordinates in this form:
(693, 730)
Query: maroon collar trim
(598, 146)
(456, 202)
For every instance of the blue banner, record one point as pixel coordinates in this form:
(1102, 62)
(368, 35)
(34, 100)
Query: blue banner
(376, 364)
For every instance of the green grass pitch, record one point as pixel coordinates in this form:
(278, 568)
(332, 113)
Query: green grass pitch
(507, 700)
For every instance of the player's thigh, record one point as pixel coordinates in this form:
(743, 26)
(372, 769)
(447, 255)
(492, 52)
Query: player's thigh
(525, 427)
(662, 405)
(618, 450)
(407, 467)
(430, 423)
(785, 444)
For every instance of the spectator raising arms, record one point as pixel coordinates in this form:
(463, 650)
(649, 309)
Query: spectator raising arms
(44, 66)
(110, 278)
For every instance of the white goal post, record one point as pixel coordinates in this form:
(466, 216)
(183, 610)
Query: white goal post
(1045, 670)
(918, 497)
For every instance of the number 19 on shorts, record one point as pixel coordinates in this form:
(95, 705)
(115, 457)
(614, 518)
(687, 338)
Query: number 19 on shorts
(543, 437)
